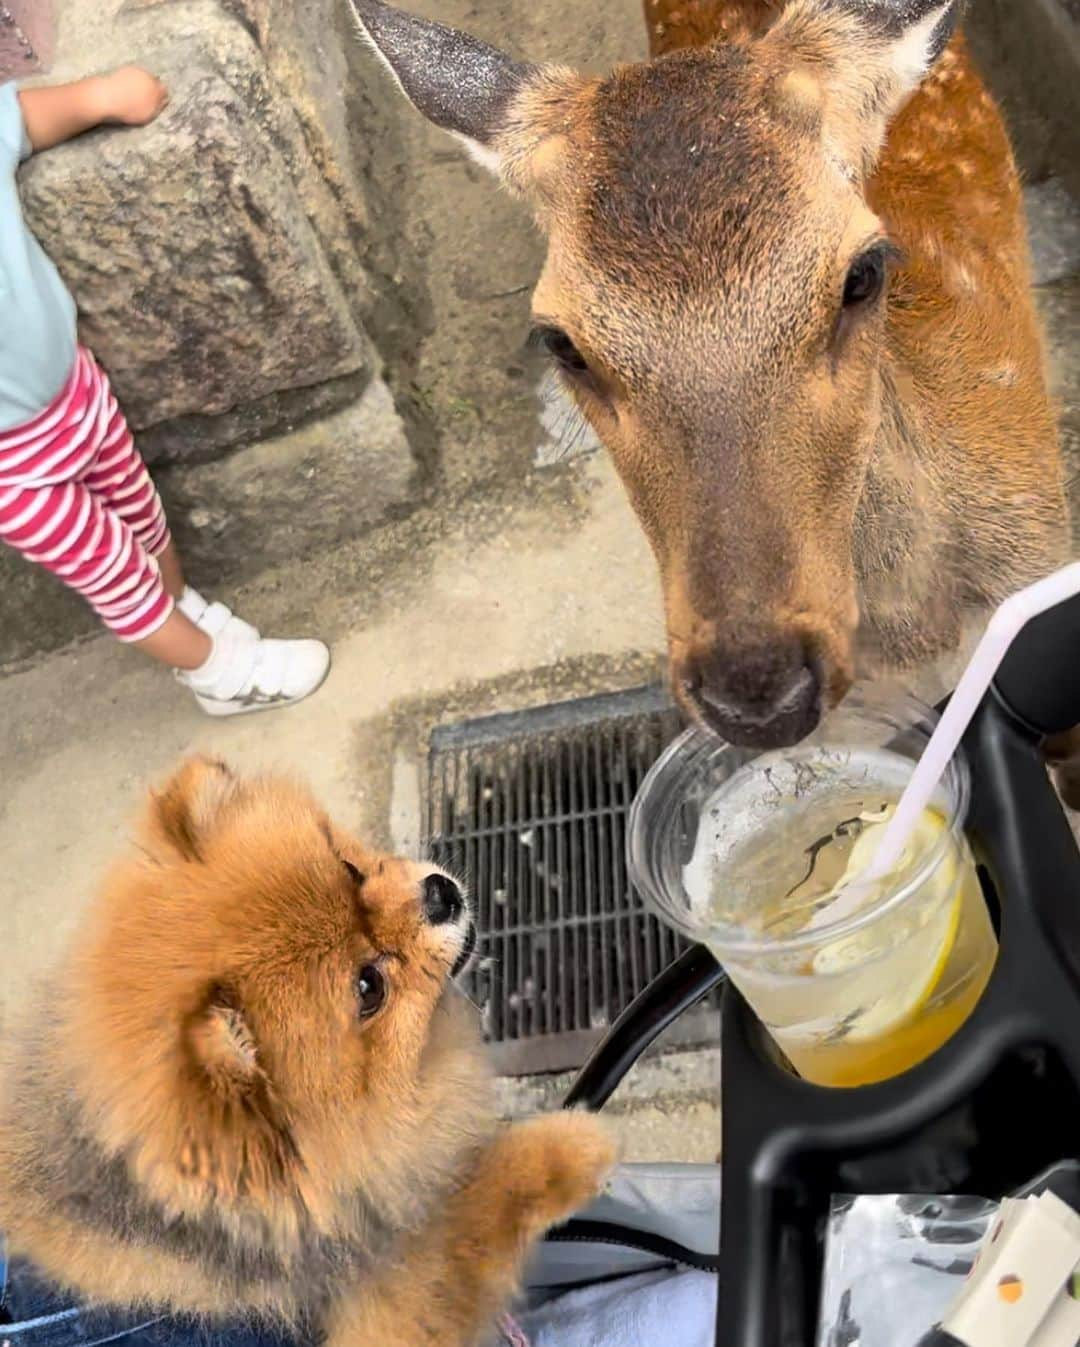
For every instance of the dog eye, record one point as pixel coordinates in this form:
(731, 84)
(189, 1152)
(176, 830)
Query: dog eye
(370, 990)
(357, 876)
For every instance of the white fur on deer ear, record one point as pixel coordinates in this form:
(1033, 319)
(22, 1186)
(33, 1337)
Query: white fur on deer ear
(921, 30)
(870, 56)
(459, 83)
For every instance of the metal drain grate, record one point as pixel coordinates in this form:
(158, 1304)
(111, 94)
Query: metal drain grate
(531, 807)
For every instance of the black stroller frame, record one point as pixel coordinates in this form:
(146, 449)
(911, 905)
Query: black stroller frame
(997, 1104)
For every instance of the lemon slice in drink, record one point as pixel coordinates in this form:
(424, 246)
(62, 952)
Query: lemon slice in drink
(913, 971)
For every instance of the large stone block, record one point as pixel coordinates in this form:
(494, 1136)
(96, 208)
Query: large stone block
(198, 438)
(201, 283)
(342, 145)
(287, 498)
(312, 51)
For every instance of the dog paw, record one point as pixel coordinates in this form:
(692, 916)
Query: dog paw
(560, 1164)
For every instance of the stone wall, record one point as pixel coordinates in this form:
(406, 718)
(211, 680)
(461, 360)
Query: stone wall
(229, 262)
(27, 30)
(215, 254)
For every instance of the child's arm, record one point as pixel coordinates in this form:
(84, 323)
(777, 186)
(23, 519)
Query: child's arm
(58, 112)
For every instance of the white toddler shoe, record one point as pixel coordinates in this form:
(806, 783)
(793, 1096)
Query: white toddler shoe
(247, 672)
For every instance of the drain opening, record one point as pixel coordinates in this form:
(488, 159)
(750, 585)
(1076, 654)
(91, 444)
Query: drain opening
(531, 808)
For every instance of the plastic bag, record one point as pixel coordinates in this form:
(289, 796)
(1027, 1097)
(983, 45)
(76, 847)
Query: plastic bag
(894, 1265)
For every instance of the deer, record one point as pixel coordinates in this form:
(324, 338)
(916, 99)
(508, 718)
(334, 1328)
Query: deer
(788, 283)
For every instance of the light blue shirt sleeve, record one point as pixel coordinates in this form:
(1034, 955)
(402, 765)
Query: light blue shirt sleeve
(37, 314)
(14, 140)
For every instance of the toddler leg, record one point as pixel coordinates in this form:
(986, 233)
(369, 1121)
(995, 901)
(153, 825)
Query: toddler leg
(117, 476)
(237, 671)
(66, 529)
(76, 497)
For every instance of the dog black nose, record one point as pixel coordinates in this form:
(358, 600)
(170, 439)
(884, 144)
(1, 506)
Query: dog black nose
(442, 900)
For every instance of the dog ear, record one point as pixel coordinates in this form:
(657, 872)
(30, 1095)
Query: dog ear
(238, 1142)
(183, 812)
(223, 1046)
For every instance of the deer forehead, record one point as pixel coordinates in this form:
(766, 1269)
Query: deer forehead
(692, 125)
(690, 183)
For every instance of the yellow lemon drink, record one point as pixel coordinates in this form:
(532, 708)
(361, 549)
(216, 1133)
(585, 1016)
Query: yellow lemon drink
(867, 997)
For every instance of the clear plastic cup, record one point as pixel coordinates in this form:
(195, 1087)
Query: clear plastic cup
(746, 851)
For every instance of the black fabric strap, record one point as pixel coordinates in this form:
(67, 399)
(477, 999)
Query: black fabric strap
(642, 1241)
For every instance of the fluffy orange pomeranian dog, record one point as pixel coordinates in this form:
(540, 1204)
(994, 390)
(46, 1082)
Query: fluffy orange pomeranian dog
(252, 1090)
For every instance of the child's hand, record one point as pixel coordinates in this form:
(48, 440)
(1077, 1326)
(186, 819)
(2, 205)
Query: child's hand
(57, 112)
(132, 96)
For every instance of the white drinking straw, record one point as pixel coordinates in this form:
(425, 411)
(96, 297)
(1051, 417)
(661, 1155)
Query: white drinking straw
(1001, 631)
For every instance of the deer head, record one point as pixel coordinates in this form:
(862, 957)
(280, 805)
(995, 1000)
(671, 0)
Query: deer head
(714, 299)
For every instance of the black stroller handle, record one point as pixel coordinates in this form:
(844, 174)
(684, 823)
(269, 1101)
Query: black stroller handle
(948, 1125)
(678, 988)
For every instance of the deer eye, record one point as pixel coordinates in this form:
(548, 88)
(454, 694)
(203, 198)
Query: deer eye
(866, 278)
(560, 347)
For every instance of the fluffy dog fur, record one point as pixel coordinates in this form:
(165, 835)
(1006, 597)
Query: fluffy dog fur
(199, 1117)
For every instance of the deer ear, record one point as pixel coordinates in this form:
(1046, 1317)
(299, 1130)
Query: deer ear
(912, 34)
(870, 56)
(183, 812)
(458, 83)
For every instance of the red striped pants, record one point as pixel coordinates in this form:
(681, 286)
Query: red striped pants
(76, 498)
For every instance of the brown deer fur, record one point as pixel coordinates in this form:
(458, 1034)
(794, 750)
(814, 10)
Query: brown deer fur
(196, 1118)
(840, 487)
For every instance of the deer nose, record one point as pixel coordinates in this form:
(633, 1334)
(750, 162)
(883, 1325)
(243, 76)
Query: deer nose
(768, 696)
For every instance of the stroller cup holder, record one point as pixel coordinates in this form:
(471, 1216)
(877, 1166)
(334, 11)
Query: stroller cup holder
(993, 1107)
